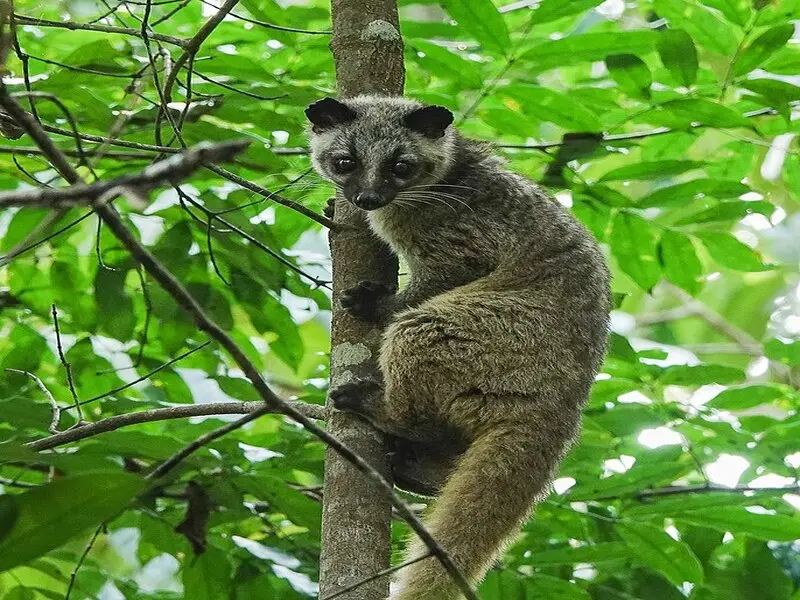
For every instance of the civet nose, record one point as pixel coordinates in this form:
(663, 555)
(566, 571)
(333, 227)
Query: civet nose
(368, 200)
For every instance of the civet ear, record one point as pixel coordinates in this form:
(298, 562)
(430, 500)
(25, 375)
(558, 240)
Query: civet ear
(327, 113)
(430, 121)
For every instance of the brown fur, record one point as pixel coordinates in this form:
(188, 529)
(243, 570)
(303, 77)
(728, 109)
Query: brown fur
(490, 349)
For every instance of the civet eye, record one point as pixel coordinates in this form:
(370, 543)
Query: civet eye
(402, 168)
(344, 165)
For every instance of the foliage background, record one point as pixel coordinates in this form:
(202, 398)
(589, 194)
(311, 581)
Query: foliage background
(669, 127)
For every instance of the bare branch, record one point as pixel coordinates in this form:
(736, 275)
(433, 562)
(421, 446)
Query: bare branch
(378, 575)
(53, 428)
(72, 152)
(67, 366)
(312, 411)
(209, 437)
(168, 39)
(171, 170)
(677, 490)
(625, 137)
(81, 560)
(270, 25)
(112, 141)
(746, 341)
(275, 197)
(190, 50)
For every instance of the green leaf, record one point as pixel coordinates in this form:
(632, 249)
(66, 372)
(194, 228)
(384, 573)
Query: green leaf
(736, 11)
(659, 551)
(683, 193)
(589, 47)
(634, 246)
(778, 92)
(783, 351)
(550, 10)
(20, 593)
(730, 211)
(507, 585)
(22, 223)
(705, 27)
(594, 554)
(761, 48)
(678, 55)
(51, 515)
(677, 505)
(208, 576)
(482, 19)
(730, 252)
(114, 307)
(27, 348)
(299, 509)
(679, 261)
(631, 74)
(637, 478)
(441, 61)
(737, 520)
(763, 576)
(651, 170)
(742, 398)
(9, 513)
(706, 112)
(701, 375)
(548, 105)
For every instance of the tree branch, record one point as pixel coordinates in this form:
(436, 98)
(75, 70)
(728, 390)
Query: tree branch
(189, 51)
(56, 411)
(174, 460)
(168, 39)
(677, 490)
(312, 411)
(172, 170)
(275, 197)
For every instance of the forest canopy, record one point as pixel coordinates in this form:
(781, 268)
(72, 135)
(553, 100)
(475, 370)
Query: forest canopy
(668, 127)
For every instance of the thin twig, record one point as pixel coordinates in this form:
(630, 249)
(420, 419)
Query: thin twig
(71, 152)
(66, 365)
(190, 49)
(50, 220)
(81, 560)
(256, 242)
(227, 86)
(113, 142)
(678, 490)
(377, 575)
(144, 377)
(56, 418)
(278, 199)
(67, 115)
(625, 137)
(312, 411)
(322, 220)
(171, 170)
(169, 464)
(717, 321)
(25, 20)
(270, 25)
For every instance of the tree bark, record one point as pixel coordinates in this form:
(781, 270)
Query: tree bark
(356, 526)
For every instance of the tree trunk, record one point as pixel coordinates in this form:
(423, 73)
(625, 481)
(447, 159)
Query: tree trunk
(356, 527)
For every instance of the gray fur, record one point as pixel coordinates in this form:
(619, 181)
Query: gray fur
(491, 348)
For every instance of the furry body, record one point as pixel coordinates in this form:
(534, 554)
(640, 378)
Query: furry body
(490, 350)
